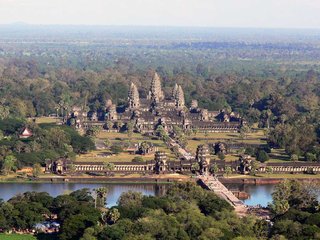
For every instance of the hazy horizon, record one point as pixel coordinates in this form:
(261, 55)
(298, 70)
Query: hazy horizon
(22, 24)
(274, 14)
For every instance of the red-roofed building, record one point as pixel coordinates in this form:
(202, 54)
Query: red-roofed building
(26, 133)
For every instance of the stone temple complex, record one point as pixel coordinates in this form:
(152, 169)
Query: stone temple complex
(146, 114)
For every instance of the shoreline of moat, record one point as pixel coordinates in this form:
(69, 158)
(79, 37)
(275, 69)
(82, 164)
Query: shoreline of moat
(247, 180)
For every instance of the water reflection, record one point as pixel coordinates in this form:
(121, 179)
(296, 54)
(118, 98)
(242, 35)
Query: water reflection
(259, 194)
(8, 190)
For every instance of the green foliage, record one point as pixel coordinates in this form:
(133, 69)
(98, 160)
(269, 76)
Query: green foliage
(116, 149)
(186, 211)
(48, 142)
(137, 159)
(16, 237)
(296, 138)
(262, 156)
(221, 156)
(130, 199)
(294, 157)
(212, 204)
(310, 157)
(214, 168)
(249, 151)
(11, 126)
(36, 170)
(228, 170)
(93, 131)
(293, 194)
(101, 196)
(9, 164)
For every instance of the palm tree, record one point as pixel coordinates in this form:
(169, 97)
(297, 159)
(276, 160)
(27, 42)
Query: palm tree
(214, 169)
(113, 215)
(228, 170)
(129, 127)
(100, 196)
(36, 171)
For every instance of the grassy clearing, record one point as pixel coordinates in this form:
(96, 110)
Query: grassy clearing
(40, 120)
(121, 157)
(115, 135)
(278, 155)
(118, 138)
(257, 136)
(17, 237)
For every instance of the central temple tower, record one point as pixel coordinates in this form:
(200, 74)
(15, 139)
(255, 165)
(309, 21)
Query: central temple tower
(155, 93)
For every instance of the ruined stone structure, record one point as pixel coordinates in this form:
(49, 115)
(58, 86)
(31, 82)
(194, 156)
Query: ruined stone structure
(161, 164)
(157, 109)
(203, 158)
(133, 97)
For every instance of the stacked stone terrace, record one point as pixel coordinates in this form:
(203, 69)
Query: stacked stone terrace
(157, 109)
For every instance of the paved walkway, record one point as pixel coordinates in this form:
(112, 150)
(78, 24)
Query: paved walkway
(181, 150)
(215, 185)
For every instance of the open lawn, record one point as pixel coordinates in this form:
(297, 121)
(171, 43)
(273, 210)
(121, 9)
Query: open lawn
(117, 135)
(256, 134)
(278, 155)
(95, 156)
(17, 237)
(40, 120)
(104, 155)
(255, 137)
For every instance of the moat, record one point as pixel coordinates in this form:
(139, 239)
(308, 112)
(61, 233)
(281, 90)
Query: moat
(259, 194)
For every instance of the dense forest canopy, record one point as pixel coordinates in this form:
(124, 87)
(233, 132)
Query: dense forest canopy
(185, 211)
(213, 65)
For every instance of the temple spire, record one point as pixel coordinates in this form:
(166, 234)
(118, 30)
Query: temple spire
(133, 97)
(180, 102)
(175, 91)
(156, 93)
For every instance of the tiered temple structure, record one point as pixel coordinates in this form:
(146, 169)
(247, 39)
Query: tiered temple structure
(157, 109)
(203, 158)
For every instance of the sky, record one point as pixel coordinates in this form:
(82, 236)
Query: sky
(205, 13)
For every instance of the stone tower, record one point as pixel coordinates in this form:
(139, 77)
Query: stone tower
(113, 112)
(160, 162)
(180, 103)
(133, 97)
(203, 158)
(194, 104)
(175, 91)
(204, 115)
(156, 94)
